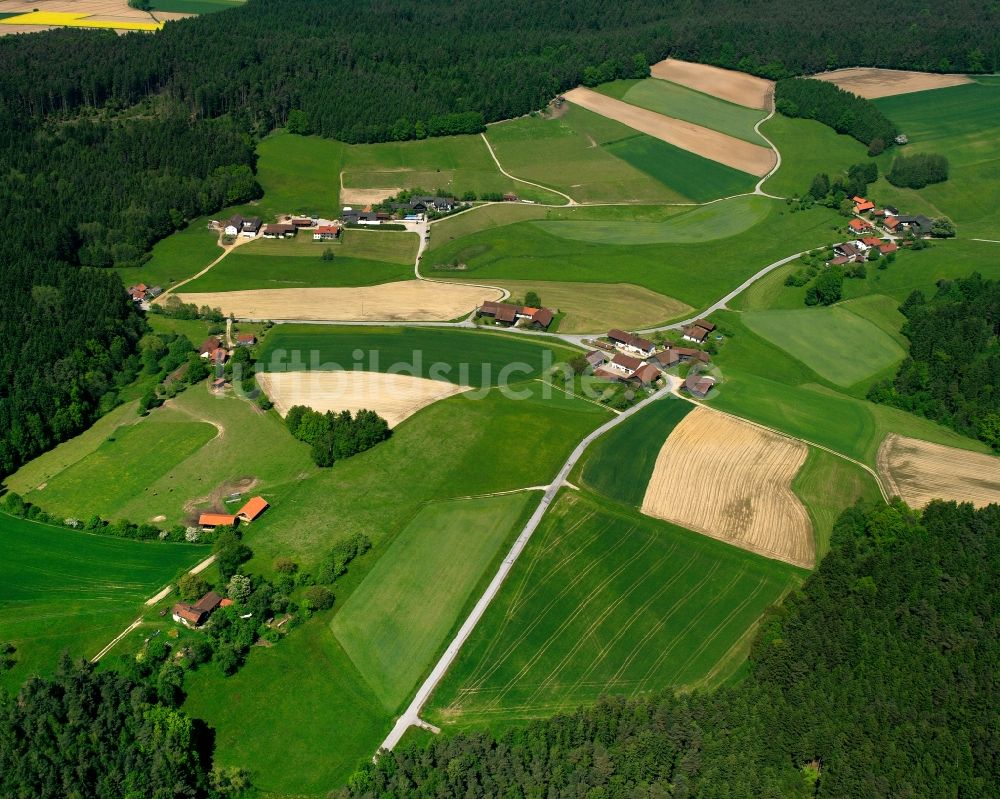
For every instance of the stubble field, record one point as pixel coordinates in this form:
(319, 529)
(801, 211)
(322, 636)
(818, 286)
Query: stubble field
(732, 480)
(919, 471)
(736, 87)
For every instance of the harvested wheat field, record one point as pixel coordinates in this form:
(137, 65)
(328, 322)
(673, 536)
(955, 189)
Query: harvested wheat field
(403, 301)
(919, 471)
(393, 397)
(736, 87)
(707, 143)
(872, 83)
(732, 480)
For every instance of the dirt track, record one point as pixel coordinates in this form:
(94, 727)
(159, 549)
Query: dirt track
(872, 83)
(393, 397)
(732, 480)
(736, 87)
(919, 471)
(403, 301)
(707, 143)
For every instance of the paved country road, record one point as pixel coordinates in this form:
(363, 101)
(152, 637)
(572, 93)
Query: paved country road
(411, 716)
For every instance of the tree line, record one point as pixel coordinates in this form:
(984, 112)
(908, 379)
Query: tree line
(952, 374)
(875, 679)
(841, 110)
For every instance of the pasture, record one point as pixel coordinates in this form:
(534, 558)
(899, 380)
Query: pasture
(732, 480)
(680, 102)
(399, 301)
(696, 272)
(464, 357)
(67, 590)
(398, 620)
(604, 601)
(570, 151)
(790, 397)
(183, 457)
(593, 306)
(259, 714)
(299, 175)
(919, 471)
(177, 257)
(620, 463)
(451, 164)
(835, 342)
(755, 159)
(963, 124)
(807, 148)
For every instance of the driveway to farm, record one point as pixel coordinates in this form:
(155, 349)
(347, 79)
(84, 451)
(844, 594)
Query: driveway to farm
(411, 716)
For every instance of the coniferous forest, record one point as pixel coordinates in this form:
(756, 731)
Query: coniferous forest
(877, 679)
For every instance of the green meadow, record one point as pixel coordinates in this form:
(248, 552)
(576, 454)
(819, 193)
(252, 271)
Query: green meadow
(177, 257)
(453, 164)
(63, 590)
(836, 343)
(619, 464)
(605, 601)
(299, 175)
(466, 357)
(963, 124)
(807, 147)
(680, 102)
(696, 272)
(397, 620)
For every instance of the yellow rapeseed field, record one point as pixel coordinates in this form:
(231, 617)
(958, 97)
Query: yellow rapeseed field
(72, 20)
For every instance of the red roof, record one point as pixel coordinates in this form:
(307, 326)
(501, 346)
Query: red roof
(872, 241)
(861, 207)
(860, 224)
(328, 229)
(216, 520)
(190, 614)
(859, 199)
(887, 248)
(254, 508)
(249, 338)
(627, 361)
(891, 222)
(225, 603)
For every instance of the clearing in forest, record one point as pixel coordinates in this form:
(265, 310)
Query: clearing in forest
(919, 471)
(736, 87)
(406, 300)
(394, 397)
(711, 144)
(732, 480)
(871, 82)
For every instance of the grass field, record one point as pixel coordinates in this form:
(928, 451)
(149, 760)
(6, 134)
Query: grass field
(570, 153)
(790, 397)
(589, 307)
(695, 272)
(397, 621)
(808, 147)
(298, 715)
(196, 330)
(605, 601)
(454, 164)
(837, 343)
(65, 590)
(963, 124)
(680, 102)
(620, 463)
(470, 358)
(827, 486)
(390, 246)
(299, 175)
(177, 257)
(169, 464)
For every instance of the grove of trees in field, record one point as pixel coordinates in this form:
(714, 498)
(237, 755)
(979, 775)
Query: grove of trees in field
(841, 110)
(918, 170)
(876, 679)
(952, 374)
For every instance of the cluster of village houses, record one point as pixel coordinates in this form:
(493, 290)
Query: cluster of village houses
(141, 293)
(195, 615)
(624, 357)
(217, 355)
(868, 218)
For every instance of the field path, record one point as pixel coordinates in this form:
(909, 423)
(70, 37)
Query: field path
(226, 249)
(569, 200)
(411, 716)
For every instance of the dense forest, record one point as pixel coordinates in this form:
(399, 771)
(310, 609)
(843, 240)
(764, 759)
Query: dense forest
(878, 678)
(952, 374)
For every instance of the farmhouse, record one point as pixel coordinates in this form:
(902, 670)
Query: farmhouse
(887, 247)
(860, 225)
(625, 364)
(891, 223)
(197, 614)
(279, 231)
(690, 354)
(251, 227)
(667, 358)
(138, 292)
(849, 252)
(646, 375)
(209, 521)
(696, 333)
(863, 206)
(246, 340)
(698, 385)
(301, 221)
(510, 315)
(233, 226)
(919, 225)
(208, 346)
(326, 233)
(253, 508)
(219, 356)
(596, 358)
(630, 343)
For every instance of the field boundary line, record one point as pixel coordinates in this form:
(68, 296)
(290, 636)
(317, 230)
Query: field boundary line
(570, 200)
(569, 393)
